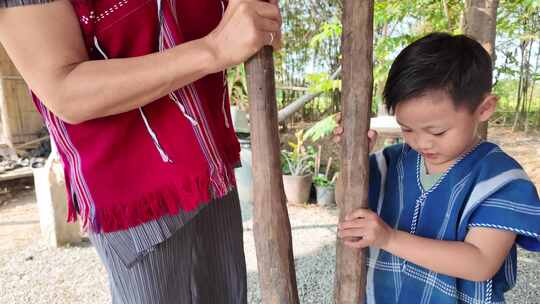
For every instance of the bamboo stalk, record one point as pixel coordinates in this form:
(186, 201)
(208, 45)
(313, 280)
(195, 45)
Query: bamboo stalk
(328, 165)
(318, 161)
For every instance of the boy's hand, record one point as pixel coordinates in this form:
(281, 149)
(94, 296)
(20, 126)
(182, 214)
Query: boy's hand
(371, 134)
(363, 228)
(338, 132)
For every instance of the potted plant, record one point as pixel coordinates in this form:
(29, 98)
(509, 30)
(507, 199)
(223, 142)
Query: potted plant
(326, 192)
(324, 185)
(238, 96)
(297, 167)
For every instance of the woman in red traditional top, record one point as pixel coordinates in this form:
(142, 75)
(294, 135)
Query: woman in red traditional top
(135, 98)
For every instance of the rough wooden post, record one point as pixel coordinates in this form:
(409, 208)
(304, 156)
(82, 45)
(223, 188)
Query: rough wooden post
(481, 24)
(357, 90)
(271, 225)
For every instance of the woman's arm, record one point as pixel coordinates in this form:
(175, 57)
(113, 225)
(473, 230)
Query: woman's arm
(478, 258)
(46, 45)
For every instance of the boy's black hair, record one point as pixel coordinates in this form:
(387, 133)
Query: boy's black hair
(458, 65)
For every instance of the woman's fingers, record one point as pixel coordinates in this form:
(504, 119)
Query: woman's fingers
(267, 25)
(267, 10)
(246, 27)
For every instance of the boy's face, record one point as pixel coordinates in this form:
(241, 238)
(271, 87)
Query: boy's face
(435, 128)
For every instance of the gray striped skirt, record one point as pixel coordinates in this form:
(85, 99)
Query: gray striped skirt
(200, 263)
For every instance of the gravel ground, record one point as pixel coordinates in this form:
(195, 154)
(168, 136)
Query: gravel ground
(32, 273)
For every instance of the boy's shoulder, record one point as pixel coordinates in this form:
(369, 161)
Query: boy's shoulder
(488, 158)
(392, 152)
(493, 158)
(490, 165)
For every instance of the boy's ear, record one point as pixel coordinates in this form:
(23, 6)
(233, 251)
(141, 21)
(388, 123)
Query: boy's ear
(487, 107)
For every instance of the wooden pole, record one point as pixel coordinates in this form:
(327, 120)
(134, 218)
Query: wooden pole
(271, 226)
(357, 90)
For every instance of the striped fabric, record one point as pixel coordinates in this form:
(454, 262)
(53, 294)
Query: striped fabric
(189, 103)
(484, 188)
(134, 244)
(13, 3)
(71, 157)
(201, 263)
(196, 159)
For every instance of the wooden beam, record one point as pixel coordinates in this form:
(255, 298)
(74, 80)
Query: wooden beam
(291, 88)
(357, 41)
(299, 103)
(18, 173)
(271, 226)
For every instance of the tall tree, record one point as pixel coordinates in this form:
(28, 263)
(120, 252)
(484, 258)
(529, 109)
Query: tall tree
(481, 24)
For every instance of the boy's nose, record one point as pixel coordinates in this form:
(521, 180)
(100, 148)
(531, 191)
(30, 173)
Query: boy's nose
(424, 144)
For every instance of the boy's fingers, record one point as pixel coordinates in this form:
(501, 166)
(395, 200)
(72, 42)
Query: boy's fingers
(357, 244)
(372, 134)
(352, 233)
(358, 213)
(338, 130)
(358, 223)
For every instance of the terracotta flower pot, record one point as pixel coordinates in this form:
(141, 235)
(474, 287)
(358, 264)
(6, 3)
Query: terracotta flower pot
(297, 188)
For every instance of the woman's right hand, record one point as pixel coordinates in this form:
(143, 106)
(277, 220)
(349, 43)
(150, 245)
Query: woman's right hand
(246, 26)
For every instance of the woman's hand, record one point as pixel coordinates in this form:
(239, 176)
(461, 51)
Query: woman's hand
(246, 27)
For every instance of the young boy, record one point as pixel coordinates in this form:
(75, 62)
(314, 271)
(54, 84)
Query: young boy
(446, 207)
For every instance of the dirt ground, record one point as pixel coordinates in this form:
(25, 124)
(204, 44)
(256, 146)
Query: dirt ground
(19, 218)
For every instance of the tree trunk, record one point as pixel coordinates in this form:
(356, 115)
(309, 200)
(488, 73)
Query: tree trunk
(519, 89)
(447, 15)
(271, 226)
(480, 23)
(533, 87)
(357, 41)
(533, 78)
(379, 86)
(525, 93)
